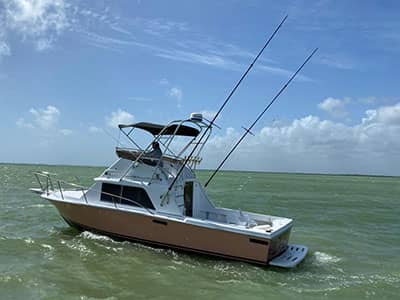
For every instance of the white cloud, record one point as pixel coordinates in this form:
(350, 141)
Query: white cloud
(4, 49)
(66, 132)
(42, 21)
(119, 117)
(388, 115)
(35, 18)
(177, 94)
(284, 72)
(94, 129)
(39, 21)
(335, 107)
(164, 81)
(335, 63)
(208, 114)
(310, 144)
(23, 124)
(120, 29)
(368, 100)
(106, 42)
(45, 118)
(45, 121)
(140, 99)
(160, 27)
(199, 58)
(44, 44)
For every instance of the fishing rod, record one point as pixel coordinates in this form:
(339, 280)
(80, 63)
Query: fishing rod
(224, 103)
(248, 130)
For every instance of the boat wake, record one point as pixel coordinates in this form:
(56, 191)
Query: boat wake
(322, 258)
(96, 237)
(40, 205)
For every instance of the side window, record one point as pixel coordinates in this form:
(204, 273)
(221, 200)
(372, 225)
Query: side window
(138, 195)
(110, 192)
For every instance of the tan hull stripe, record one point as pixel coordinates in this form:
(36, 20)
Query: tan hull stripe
(133, 226)
(154, 243)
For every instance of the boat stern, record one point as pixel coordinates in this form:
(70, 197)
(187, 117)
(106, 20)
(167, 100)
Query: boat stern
(280, 252)
(279, 244)
(285, 255)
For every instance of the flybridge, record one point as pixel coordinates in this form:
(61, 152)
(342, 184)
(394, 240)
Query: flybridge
(166, 137)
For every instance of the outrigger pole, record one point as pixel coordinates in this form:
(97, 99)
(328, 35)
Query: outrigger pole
(248, 130)
(225, 102)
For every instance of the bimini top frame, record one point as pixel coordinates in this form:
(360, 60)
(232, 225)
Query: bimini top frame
(165, 134)
(156, 129)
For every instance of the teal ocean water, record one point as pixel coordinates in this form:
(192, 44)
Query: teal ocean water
(351, 225)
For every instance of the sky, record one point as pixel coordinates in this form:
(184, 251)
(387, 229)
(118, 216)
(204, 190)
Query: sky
(71, 71)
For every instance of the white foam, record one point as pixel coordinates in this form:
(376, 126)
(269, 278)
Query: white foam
(89, 298)
(325, 258)
(35, 206)
(96, 237)
(84, 251)
(50, 251)
(7, 278)
(114, 249)
(228, 281)
(47, 246)
(39, 205)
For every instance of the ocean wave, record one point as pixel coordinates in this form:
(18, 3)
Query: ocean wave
(47, 246)
(113, 249)
(29, 241)
(35, 206)
(8, 278)
(78, 245)
(40, 205)
(329, 283)
(90, 298)
(234, 270)
(96, 237)
(49, 252)
(81, 248)
(228, 281)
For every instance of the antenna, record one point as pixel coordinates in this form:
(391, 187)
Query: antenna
(248, 130)
(224, 103)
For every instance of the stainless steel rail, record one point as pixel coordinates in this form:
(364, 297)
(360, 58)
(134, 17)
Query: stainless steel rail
(49, 187)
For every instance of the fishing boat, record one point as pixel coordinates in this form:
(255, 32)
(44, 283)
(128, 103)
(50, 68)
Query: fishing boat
(132, 200)
(151, 195)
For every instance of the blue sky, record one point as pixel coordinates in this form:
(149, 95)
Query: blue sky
(71, 70)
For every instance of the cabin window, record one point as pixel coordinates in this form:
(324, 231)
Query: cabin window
(113, 193)
(110, 193)
(138, 195)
